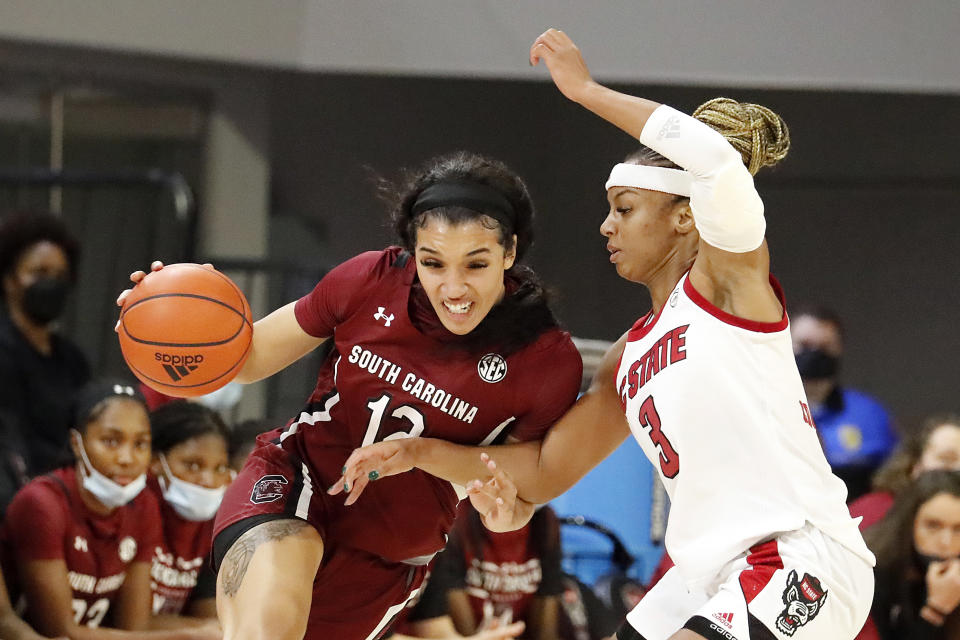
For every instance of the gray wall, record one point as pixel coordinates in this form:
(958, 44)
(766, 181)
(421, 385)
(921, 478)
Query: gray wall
(862, 216)
(879, 44)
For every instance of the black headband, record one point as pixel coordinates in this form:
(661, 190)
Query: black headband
(93, 393)
(469, 195)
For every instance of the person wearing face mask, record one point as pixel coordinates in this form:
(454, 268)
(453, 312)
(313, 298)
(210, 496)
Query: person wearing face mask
(41, 370)
(856, 431)
(77, 543)
(935, 446)
(189, 473)
(917, 546)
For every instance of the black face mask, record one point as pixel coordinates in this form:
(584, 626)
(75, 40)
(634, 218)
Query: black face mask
(44, 300)
(816, 364)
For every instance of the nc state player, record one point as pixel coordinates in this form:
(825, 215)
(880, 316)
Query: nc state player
(77, 542)
(189, 474)
(758, 528)
(448, 337)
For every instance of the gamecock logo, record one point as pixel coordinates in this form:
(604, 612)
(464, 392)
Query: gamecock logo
(268, 489)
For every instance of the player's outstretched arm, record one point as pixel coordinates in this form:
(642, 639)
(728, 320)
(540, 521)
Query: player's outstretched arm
(278, 339)
(541, 470)
(570, 74)
(732, 267)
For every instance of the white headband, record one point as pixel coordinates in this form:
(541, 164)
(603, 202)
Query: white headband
(675, 181)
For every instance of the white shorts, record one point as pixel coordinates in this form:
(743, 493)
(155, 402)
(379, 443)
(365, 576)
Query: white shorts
(801, 585)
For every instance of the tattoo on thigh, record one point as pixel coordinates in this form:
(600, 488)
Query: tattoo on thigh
(237, 559)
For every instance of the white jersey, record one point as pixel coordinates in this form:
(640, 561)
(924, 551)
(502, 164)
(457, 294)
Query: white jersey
(718, 407)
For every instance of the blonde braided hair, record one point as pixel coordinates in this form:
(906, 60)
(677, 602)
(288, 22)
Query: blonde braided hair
(759, 134)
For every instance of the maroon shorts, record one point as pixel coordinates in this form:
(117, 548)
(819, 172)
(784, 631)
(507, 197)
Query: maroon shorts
(356, 594)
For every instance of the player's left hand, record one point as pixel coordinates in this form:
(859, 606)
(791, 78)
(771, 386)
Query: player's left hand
(563, 59)
(370, 463)
(496, 500)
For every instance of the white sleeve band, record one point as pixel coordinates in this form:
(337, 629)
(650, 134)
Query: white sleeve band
(726, 207)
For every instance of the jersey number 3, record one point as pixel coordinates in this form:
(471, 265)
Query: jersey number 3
(650, 419)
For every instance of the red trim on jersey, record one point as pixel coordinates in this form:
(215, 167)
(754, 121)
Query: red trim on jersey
(729, 318)
(764, 560)
(641, 328)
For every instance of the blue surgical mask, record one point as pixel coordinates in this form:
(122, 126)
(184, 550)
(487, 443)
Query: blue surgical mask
(108, 492)
(190, 501)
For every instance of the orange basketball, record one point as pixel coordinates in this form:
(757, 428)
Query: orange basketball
(185, 330)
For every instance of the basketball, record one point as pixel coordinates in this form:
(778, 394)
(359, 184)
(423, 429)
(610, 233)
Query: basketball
(185, 330)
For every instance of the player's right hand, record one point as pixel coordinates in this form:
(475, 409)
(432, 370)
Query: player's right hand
(135, 278)
(496, 500)
(563, 59)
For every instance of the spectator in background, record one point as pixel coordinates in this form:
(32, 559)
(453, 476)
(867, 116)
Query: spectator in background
(918, 561)
(935, 446)
(77, 542)
(493, 579)
(40, 370)
(856, 431)
(189, 473)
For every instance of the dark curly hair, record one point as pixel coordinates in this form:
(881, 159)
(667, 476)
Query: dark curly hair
(460, 166)
(178, 421)
(21, 230)
(524, 313)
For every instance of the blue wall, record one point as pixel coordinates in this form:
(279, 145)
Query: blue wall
(618, 494)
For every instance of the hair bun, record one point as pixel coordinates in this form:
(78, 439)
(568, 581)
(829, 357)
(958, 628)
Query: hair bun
(760, 135)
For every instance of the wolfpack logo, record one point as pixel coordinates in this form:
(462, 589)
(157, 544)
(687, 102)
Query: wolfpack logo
(803, 599)
(128, 549)
(177, 366)
(380, 315)
(492, 368)
(80, 544)
(268, 489)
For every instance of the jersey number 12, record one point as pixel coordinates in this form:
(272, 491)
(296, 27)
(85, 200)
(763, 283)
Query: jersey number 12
(378, 408)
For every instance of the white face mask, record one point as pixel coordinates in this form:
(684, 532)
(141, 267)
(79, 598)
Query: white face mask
(191, 501)
(223, 399)
(108, 492)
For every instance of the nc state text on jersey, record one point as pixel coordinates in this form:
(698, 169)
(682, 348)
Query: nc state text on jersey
(412, 383)
(669, 349)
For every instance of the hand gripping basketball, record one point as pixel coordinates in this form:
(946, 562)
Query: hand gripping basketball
(185, 329)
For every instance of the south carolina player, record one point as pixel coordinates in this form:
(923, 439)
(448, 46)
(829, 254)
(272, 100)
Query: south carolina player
(77, 542)
(188, 475)
(763, 543)
(446, 336)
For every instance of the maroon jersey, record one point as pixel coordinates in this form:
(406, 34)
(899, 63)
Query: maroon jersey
(387, 378)
(179, 559)
(501, 572)
(47, 520)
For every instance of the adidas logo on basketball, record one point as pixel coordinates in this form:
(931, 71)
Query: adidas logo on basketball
(178, 367)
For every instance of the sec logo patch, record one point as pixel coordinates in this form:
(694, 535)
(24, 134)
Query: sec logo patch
(492, 368)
